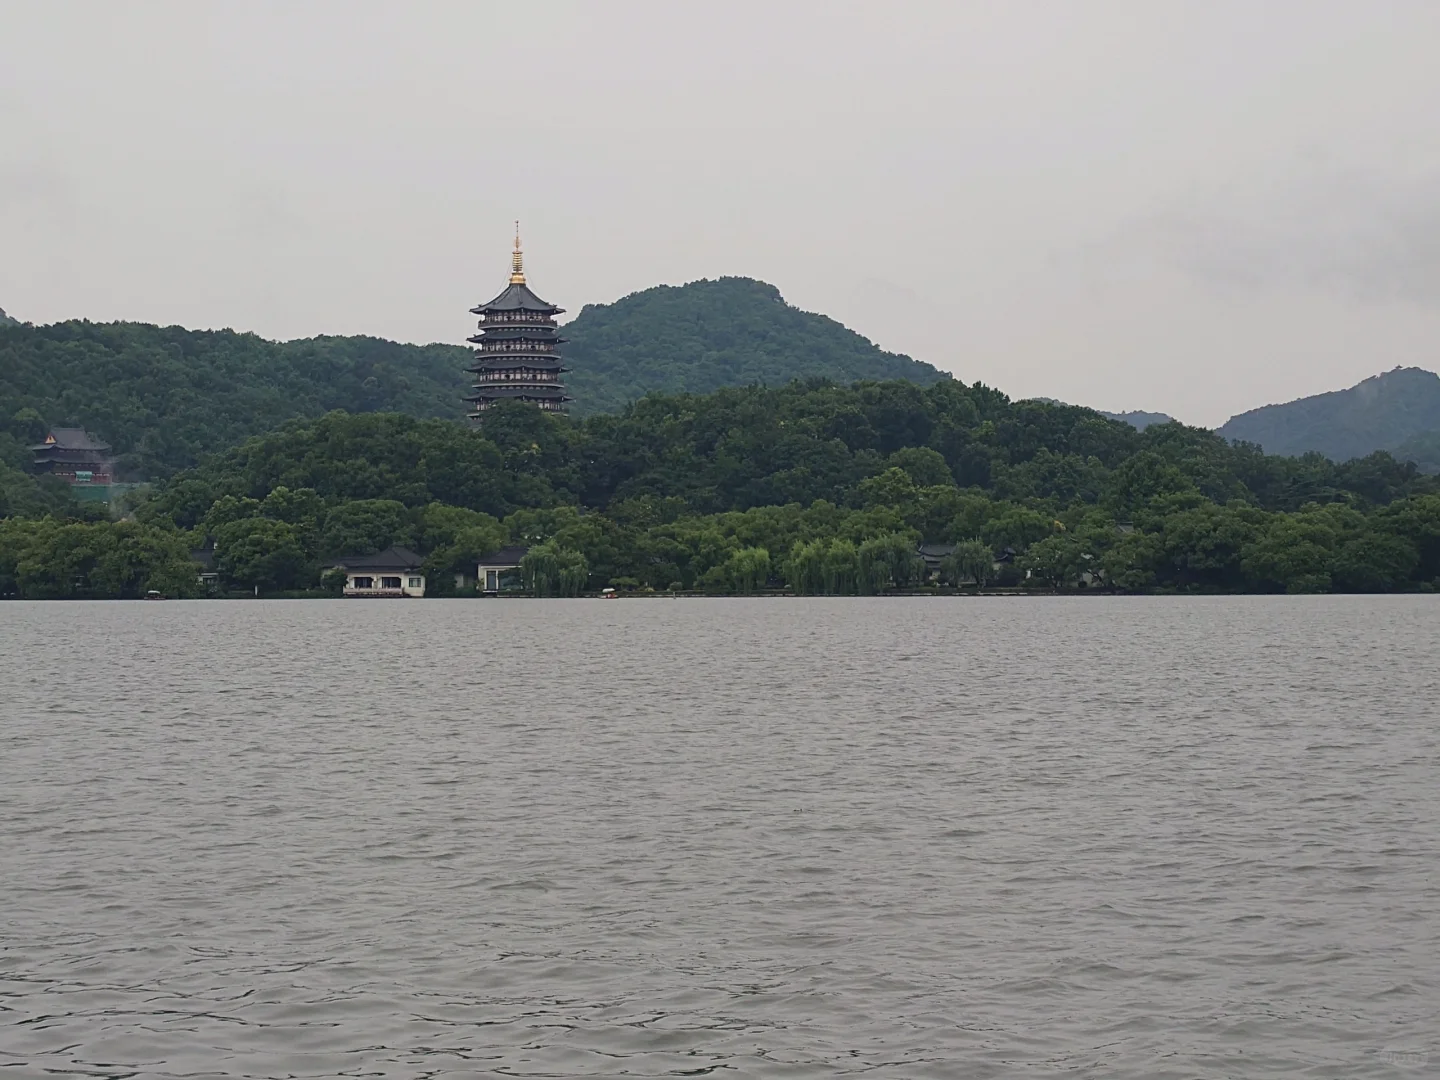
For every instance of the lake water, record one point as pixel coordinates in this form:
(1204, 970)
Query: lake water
(774, 838)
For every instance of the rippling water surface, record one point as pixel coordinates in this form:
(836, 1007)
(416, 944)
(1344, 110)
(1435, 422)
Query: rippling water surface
(804, 838)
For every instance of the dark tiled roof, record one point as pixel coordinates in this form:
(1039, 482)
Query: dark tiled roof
(514, 361)
(534, 393)
(507, 556)
(395, 558)
(546, 334)
(516, 298)
(72, 438)
(937, 551)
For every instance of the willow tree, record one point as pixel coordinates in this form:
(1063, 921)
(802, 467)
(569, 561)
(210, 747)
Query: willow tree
(823, 567)
(805, 568)
(888, 559)
(971, 560)
(842, 568)
(748, 570)
(552, 570)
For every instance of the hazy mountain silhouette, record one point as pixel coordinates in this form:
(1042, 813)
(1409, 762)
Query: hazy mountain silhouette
(1384, 412)
(1138, 419)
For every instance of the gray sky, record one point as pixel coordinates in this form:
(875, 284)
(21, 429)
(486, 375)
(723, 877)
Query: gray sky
(1190, 207)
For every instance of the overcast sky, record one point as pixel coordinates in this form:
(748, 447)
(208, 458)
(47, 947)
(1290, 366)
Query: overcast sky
(1195, 208)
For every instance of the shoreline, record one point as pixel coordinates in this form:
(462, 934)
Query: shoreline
(987, 595)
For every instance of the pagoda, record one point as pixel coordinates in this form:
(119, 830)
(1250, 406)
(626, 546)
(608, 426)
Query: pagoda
(517, 354)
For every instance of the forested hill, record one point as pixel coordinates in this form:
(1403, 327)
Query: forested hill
(823, 487)
(689, 488)
(1381, 413)
(165, 397)
(699, 337)
(751, 447)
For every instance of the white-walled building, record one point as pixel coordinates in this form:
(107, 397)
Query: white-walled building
(395, 572)
(500, 572)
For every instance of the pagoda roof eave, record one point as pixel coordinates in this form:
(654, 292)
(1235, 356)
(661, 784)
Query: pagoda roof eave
(514, 362)
(539, 393)
(545, 332)
(72, 439)
(517, 297)
(483, 380)
(481, 338)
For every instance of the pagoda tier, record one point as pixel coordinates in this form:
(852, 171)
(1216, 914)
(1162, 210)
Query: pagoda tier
(517, 348)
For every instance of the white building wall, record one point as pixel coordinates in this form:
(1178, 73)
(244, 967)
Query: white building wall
(483, 572)
(406, 589)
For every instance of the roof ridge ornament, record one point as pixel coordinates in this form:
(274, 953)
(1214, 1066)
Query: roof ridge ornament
(517, 261)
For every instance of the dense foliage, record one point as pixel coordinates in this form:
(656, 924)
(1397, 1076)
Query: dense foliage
(21, 493)
(823, 488)
(708, 334)
(1381, 413)
(51, 558)
(551, 569)
(165, 397)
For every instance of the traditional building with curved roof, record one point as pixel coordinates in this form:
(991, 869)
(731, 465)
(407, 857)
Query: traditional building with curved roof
(517, 347)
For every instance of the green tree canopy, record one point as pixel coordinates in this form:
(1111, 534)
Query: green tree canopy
(51, 559)
(972, 560)
(552, 570)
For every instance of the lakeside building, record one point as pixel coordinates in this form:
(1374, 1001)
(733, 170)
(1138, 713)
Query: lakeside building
(517, 349)
(75, 456)
(500, 572)
(393, 572)
(934, 556)
(204, 560)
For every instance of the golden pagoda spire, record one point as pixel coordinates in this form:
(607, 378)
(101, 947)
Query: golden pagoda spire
(517, 261)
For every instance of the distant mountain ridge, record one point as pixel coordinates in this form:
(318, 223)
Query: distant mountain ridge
(1397, 411)
(1138, 419)
(6, 320)
(1384, 412)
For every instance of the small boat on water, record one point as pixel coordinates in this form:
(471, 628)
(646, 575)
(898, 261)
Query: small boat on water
(154, 594)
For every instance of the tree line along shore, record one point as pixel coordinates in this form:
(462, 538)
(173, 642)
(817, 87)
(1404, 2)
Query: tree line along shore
(811, 487)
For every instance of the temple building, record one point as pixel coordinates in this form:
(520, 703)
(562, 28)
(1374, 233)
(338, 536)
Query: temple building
(75, 456)
(517, 353)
